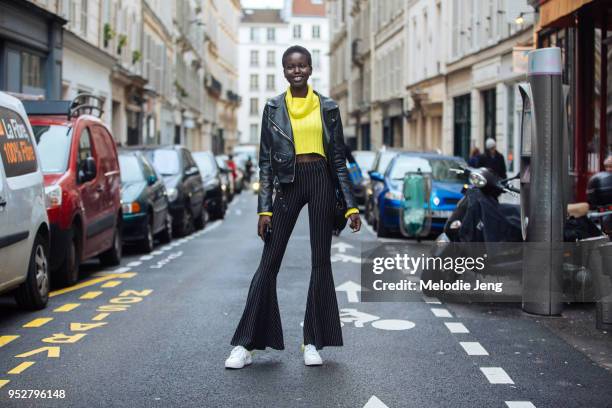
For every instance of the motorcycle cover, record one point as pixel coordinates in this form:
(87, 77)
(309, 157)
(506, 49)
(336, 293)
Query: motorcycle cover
(355, 174)
(415, 212)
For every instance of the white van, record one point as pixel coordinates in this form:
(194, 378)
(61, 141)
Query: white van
(24, 226)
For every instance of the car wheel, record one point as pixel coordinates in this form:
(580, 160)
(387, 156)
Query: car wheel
(148, 242)
(186, 226)
(166, 235)
(112, 257)
(33, 294)
(200, 221)
(382, 231)
(68, 272)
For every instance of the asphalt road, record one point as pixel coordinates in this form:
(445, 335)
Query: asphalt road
(156, 332)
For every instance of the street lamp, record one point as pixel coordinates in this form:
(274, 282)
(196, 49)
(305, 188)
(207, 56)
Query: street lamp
(520, 20)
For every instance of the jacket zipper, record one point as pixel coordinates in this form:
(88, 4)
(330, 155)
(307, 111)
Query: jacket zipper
(288, 138)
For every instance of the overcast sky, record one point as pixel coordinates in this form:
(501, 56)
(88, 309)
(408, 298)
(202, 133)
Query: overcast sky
(262, 3)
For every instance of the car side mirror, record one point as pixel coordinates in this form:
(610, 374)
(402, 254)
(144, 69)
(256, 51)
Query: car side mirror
(152, 179)
(88, 172)
(376, 176)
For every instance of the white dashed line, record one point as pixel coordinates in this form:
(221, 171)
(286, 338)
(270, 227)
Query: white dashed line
(165, 248)
(520, 404)
(158, 252)
(496, 375)
(432, 300)
(456, 327)
(473, 348)
(438, 312)
(146, 257)
(121, 270)
(134, 264)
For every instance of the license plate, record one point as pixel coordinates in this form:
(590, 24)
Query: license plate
(441, 214)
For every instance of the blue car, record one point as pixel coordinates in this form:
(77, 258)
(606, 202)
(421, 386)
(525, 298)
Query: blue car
(445, 194)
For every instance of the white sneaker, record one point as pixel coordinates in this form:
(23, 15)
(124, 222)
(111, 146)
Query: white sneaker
(238, 358)
(311, 356)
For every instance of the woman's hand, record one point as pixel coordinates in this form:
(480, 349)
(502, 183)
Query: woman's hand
(265, 221)
(355, 222)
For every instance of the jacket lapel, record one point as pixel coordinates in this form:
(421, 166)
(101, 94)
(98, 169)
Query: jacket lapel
(280, 115)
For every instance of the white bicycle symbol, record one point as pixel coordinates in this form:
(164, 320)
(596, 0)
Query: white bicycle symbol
(359, 319)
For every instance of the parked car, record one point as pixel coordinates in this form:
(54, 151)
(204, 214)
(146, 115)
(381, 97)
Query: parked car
(82, 182)
(226, 177)
(236, 173)
(445, 194)
(215, 200)
(146, 208)
(374, 186)
(365, 161)
(24, 232)
(183, 183)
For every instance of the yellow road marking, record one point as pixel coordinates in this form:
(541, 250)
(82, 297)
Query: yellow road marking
(4, 340)
(91, 295)
(67, 307)
(111, 284)
(4, 382)
(38, 322)
(126, 275)
(52, 352)
(100, 316)
(91, 282)
(21, 367)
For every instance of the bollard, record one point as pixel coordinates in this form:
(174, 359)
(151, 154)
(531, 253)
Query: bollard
(603, 272)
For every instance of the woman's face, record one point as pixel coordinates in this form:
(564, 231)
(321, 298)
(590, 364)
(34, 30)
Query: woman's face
(296, 69)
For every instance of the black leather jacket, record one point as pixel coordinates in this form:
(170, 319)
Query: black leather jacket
(277, 149)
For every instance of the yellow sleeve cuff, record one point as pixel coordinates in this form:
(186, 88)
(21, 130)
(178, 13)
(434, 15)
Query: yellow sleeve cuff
(265, 213)
(351, 211)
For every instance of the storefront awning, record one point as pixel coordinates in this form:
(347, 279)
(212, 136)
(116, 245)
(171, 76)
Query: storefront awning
(555, 12)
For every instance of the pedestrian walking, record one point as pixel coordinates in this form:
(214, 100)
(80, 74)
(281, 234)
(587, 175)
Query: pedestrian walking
(473, 160)
(492, 159)
(302, 154)
(248, 167)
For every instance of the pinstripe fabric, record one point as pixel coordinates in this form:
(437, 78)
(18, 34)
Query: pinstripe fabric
(260, 325)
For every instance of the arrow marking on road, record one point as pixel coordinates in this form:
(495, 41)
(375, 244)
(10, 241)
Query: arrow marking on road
(345, 258)
(351, 288)
(374, 402)
(342, 246)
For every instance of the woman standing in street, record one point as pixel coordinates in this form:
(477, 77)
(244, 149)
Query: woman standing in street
(302, 154)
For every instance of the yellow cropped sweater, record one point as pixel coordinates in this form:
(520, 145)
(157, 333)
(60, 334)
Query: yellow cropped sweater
(305, 117)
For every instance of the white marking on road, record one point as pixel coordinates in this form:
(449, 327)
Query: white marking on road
(121, 270)
(393, 324)
(374, 402)
(342, 246)
(158, 252)
(520, 404)
(146, 257)
(167, 247)
(439, 312)
(134, 264)
(456, 327)
(473, 348)
(431, 300)
(238, 212)
(214, 225)
(345, 258)
(496, 375)
(351, 288)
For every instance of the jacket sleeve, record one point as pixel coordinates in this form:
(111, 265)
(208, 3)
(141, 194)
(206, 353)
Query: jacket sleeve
(264, 199)
(340, 164)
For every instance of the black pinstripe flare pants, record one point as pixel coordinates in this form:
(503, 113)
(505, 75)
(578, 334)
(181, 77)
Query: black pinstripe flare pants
(260, 325)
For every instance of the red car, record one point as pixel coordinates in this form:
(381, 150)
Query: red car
(82, 184)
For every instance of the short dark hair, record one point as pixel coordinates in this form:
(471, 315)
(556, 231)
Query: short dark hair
(298, 49)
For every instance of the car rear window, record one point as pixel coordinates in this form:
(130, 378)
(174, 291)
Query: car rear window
(403, 165)
(18, 155)
(53, 146)
(440, 169)
(206, 164)
(129, 167)
(165, 161)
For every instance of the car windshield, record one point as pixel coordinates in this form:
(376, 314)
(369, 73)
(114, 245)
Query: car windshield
(130, 169)
(53, 143)
(207, 166)
(385, 159)
(407, 164)
(165, 161)
(365, 160)
(441, 170)
(221, 162)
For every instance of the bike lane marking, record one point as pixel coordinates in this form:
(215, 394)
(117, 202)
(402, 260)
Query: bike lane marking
(456, 327)
(496, 375)
(38, 322)
(4, 340)
(440, 312)
(520, 404)
(67, 307)
(91, 295)
(473, 348)
(21, 367)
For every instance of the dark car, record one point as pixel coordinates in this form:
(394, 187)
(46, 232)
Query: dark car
(374, 187)
(183, 184)
(215, 200)
(144, 200)
(365, 161)
(226, 178)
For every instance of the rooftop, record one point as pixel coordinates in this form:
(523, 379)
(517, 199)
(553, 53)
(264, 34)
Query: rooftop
(262, 16)
(308, 8)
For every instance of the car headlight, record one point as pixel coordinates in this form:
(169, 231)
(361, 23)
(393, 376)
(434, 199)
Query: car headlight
(131, 208)
(53, 196)
(393, 195)
(256, 185)
(436, 201)
(172, 194)
(478, 179)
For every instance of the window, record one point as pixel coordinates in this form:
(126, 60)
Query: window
(254, 34)
(297, 31)
(84, 152)
(316, 31)
(488, 99)
(270, 58)
(254, 82)
(270, 82)
(84, 17)
(271, 34)
(16, 149)
(316, 83)
(510, 131)
(254, 106)
(254, 58)
(316, 58)
(253, 132)
(462, 124)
